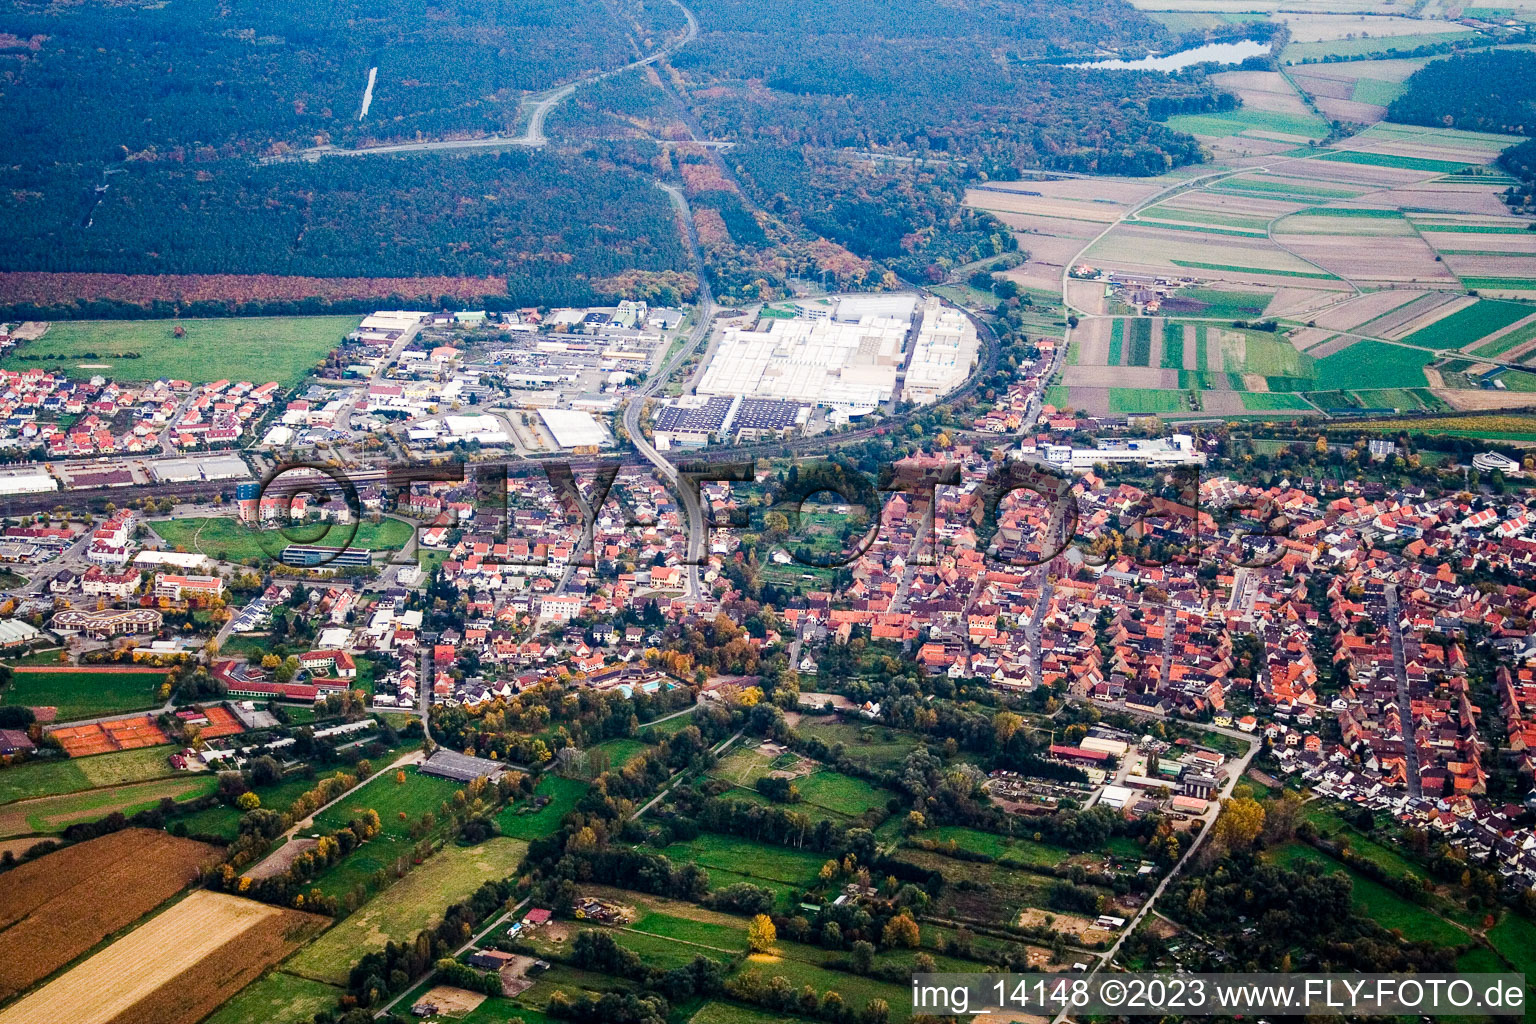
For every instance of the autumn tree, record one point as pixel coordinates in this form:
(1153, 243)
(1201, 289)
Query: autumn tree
(1239, 825)
(761, 934)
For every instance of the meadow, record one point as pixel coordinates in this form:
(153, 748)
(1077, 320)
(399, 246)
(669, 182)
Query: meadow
(257, 349)
(84, 694)
(407, 906)
(399, 804)
(1248, 119)
(876, 745)
(1022, 850)
(731, 860)
(520, 822)
(855, 990)
(54, 813)
(1377, 902)
(61, 776)
(278, 999)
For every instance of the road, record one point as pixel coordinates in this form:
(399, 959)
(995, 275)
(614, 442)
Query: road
(705, 311)
(533, 135)
(1404, 700)
(1238, 768)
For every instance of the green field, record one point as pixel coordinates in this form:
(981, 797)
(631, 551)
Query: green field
(843, 794)
(229, 540)
(1193, 265)
(520, 822)
(669, 953)
(1378, 902)
(1140, 353)
(855, 990)
(414, 797)
(1374, 90)
(278, 999)
(1298, 52)
(1406, 399)
(1245, 120)
(702, 933)
(1495, 284)
(622, 751)
(1288, 187)
(1465, 326)
(1262, 353)
(1024, 851)
(1372, 364)
(1515, 939)
(731, 860)
(61, 776)
(54, 813)
(85, 694)
(1234, 305)
(1116, 341)
(1146, 401)
(1405, 163)
(717, 1012)
(1518, 380)
(406, 907)
(1173, 345)
(1259, 401)
(257, 349)
(876, 745)
(1057, 395)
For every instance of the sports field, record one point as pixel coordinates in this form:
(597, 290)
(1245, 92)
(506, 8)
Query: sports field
(83, 693)
(256, 349)
(228, 540)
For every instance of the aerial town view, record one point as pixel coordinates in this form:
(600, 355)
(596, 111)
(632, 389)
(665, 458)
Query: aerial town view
(754, 511)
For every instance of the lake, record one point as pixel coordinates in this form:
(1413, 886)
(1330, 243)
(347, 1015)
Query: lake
(1221, 53)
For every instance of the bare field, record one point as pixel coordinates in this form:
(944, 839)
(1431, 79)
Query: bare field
(1067, 209)
(1350, 110)
(175, 969)
(1330, 347)
(57, 907)
(1401, 324)
(1309, 337)
(1451, 197)
(1315, 28)
(1263, 90)
(1487, 245)
(1403, 259)
(1480, 400)
(1148, 246)
(1086, 295)
(1391, 309)
(1092, 337)
(1119, 377)
(1300, 303)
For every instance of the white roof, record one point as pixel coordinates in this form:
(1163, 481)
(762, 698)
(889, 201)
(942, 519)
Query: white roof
(573, 428)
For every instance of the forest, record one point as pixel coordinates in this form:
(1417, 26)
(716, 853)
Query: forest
(557, 228)
(907, 77)
(98, 82)
(1490, 91)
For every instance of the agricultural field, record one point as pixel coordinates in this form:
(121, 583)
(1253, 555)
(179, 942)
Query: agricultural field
(228, 540)
(56, 907)
(84, 693)
(1470, 324)
(522, 822)
(1372, 364)
(407, 906)
(257, 349)
(175, 968)
(1249, 121)
(60, 777)
(52, 814)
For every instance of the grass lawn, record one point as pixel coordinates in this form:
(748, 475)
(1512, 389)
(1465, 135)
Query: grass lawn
(622, 751)
(61, 776)
(1480, 960)
(54, 813)
(731, 859)
(85, 694)
(1379, 903)
(1515, 939)
(841, 793)
(671, 727)
(702, 933)
(227, 540)
(1372, 364)
(876, 745)
(717, 1012)
(278, 999)
(257, 349)
(412, 798)
(1022, 850)
(855, 990)
(408, 906)
(520, 822)
(669, 953)
(1465, 326)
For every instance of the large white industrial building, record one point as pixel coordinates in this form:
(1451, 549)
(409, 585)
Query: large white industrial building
(942, 355)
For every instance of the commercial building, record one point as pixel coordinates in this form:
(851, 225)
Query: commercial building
(178, 587)
(29, 480)
(104, 625)
(573, 428)
(943, 354)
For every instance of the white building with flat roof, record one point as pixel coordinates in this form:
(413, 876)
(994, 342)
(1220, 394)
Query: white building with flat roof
(943, 354)
(573, 428)
(849, 367)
